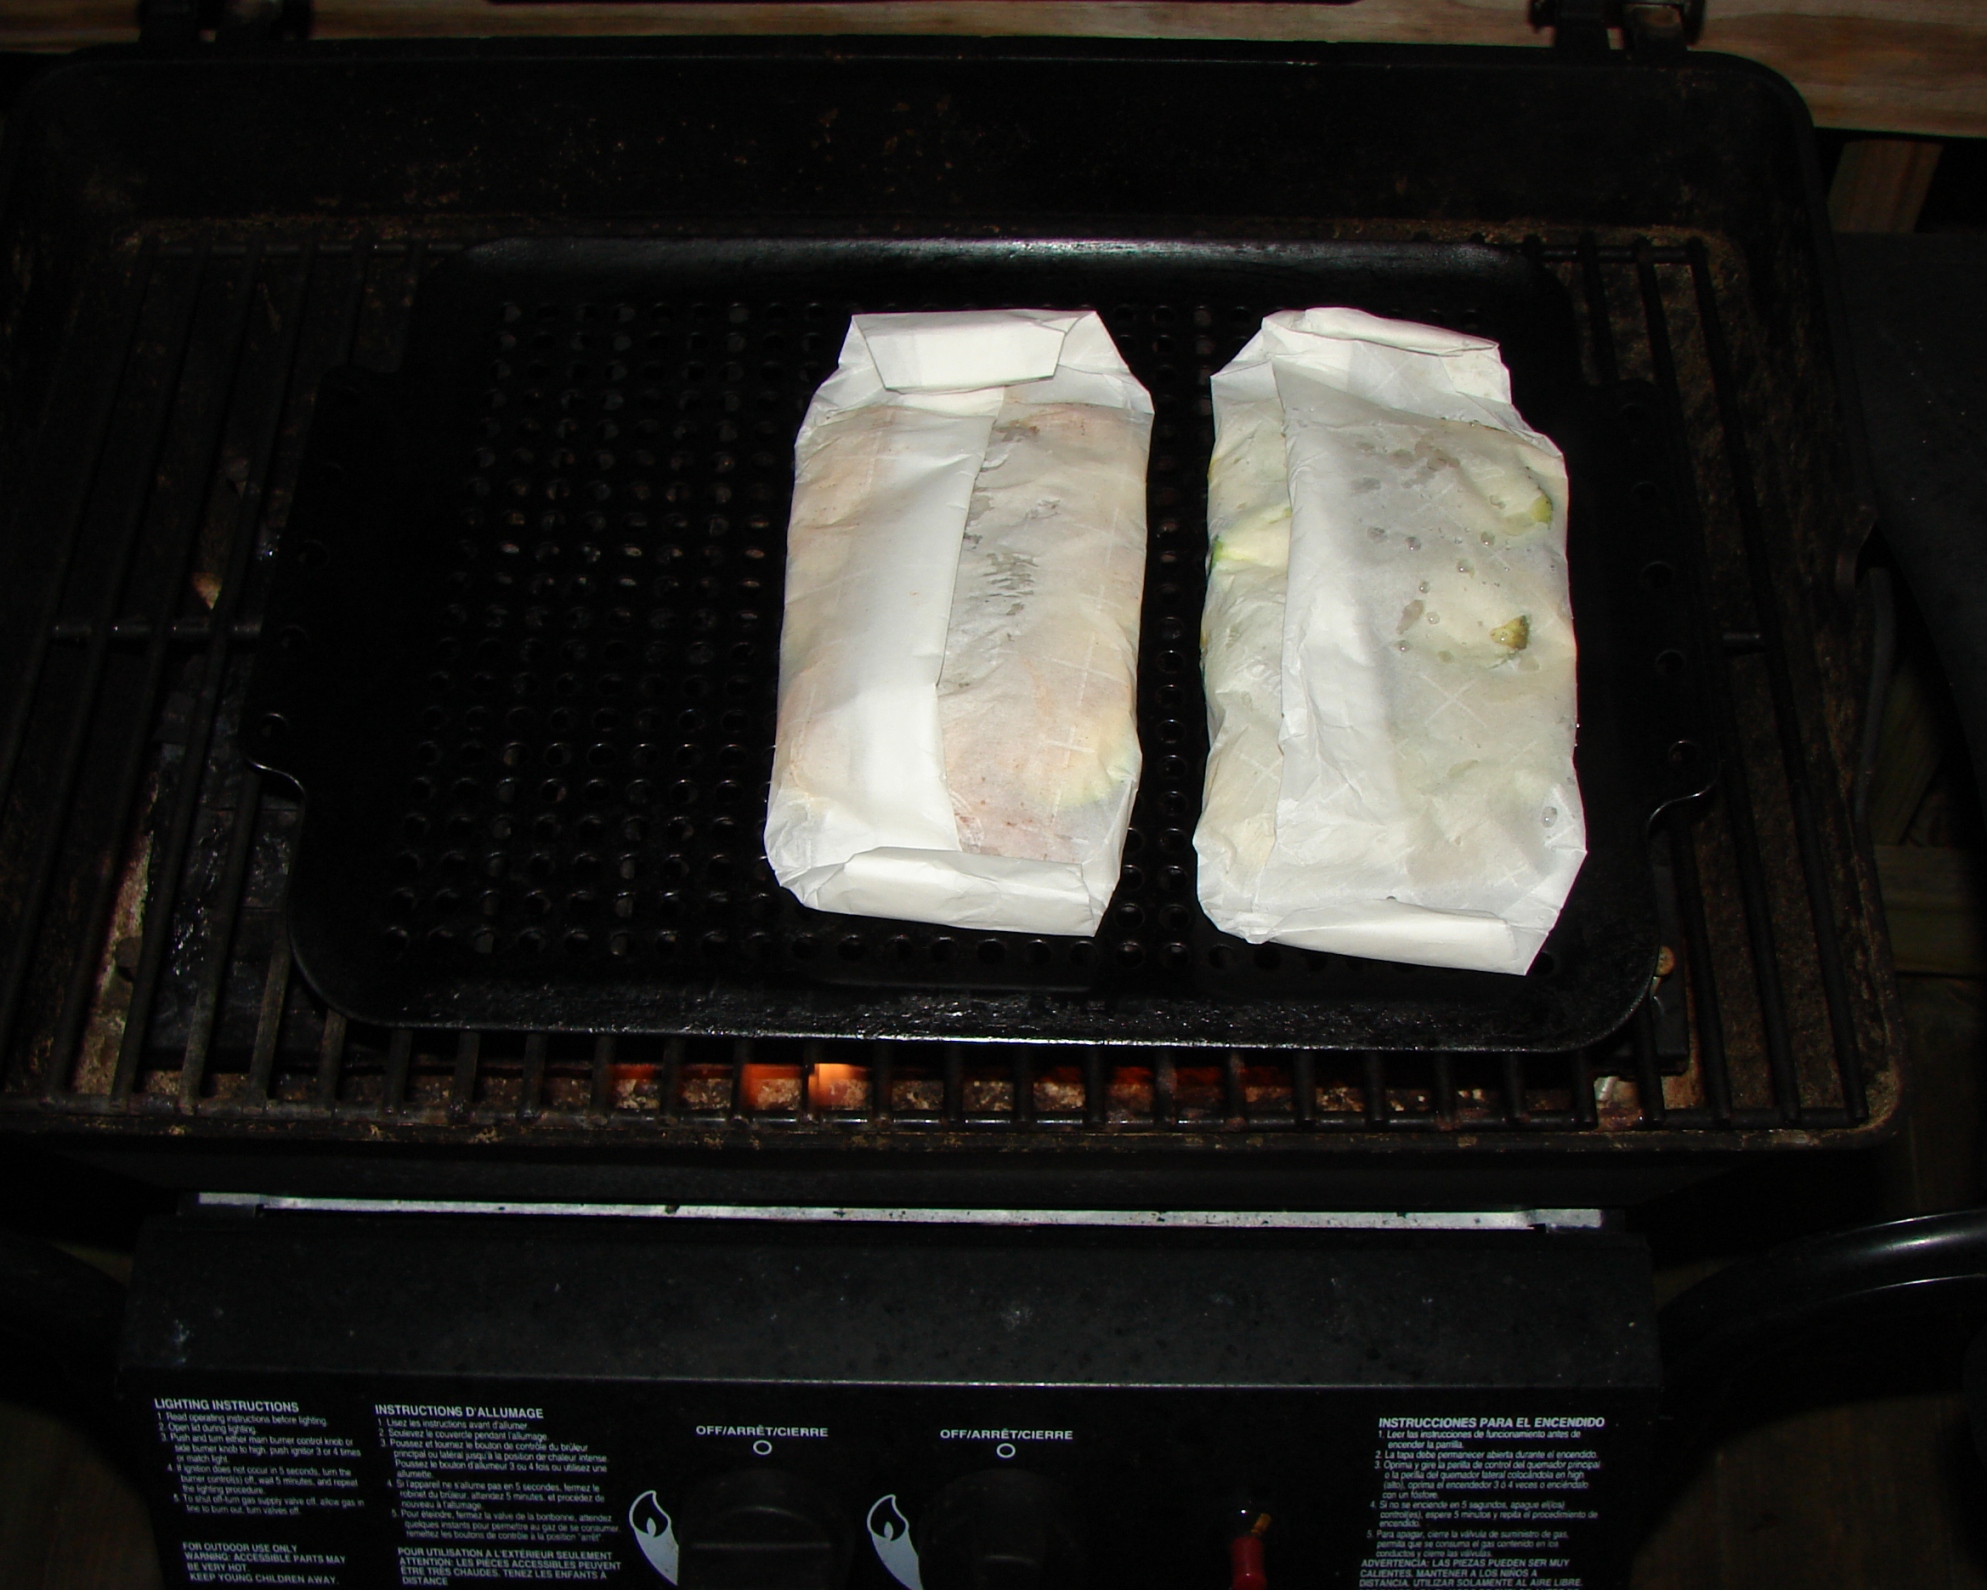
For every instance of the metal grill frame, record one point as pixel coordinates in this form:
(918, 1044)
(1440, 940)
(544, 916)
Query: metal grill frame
(1787, 1047)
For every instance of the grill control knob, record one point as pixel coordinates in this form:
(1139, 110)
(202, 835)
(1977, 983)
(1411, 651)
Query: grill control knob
(1000, 1529)
(761, 1529)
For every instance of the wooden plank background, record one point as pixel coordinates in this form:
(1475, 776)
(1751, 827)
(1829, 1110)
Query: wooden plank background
(1902, 66)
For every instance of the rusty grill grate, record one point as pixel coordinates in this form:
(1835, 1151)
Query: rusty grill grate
(146, 981)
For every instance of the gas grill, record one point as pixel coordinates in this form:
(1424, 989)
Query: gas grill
(199, 244)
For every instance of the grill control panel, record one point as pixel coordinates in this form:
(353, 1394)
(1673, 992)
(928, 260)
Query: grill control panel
(410, 1402)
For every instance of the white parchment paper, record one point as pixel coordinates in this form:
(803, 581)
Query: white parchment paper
(1388, 650)
(957, 738)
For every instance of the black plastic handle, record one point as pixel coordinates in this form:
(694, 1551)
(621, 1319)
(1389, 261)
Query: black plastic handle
(1719, 1338)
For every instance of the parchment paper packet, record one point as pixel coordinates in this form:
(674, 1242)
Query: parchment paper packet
(1388, 650)
(957, 738)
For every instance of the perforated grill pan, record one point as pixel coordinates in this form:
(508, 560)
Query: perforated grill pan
(526, 634)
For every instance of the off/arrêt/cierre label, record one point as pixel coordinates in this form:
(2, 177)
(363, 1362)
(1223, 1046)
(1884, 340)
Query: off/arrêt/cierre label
(1481, 1500)
(1007, 1435)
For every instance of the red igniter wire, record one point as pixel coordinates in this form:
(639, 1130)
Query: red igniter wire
(1245, 1558)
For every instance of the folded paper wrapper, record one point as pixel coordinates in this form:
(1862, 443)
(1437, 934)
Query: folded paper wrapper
(1388, 651)
(957, 738)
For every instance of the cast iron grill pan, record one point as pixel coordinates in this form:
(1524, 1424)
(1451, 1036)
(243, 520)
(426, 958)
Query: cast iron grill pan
(526, 631)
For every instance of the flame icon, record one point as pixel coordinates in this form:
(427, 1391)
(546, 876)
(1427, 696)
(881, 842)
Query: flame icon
(890, 1534)
(655, 1534)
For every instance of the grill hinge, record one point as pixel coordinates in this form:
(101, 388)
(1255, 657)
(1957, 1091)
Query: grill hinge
(182, 24)
(1650, 29)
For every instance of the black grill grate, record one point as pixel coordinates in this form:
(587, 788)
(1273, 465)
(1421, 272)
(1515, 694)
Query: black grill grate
(525, 661)
(146, 981)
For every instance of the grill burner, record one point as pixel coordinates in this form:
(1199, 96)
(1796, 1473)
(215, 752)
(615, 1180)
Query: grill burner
(147, 987)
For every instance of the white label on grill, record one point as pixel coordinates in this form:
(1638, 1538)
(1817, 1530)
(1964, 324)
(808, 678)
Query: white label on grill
(890, 1536)
(483, 1492)
(655, 1534)
(236, 1562)
(236, 1458)
(1474, 1500)
(257, 1466)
